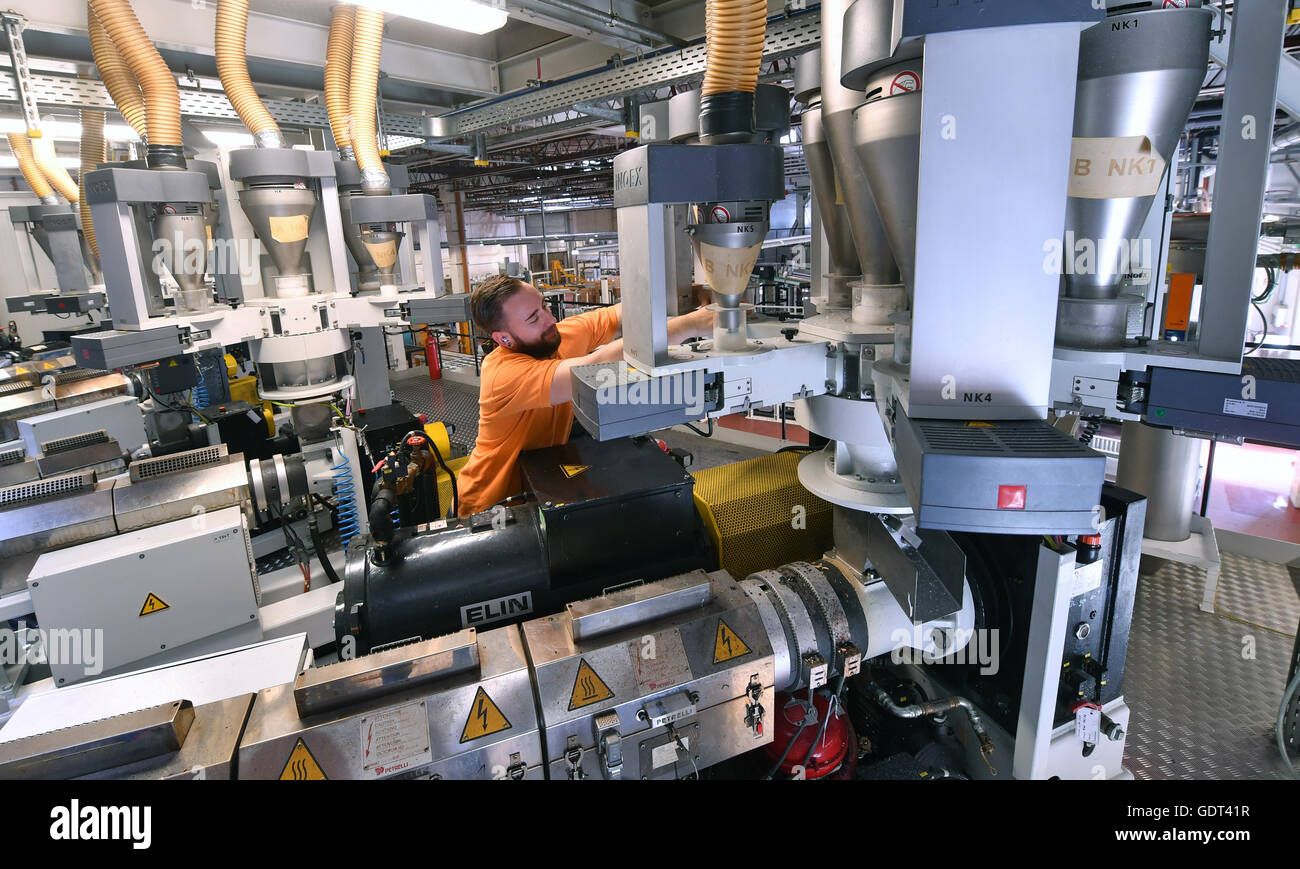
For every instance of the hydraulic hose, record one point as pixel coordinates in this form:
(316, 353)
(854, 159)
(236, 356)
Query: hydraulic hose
(22, 148)
(118, 79)
(735, 31)
(48, 162)
(93, 153)
(338, 70)
(367, 43)
(232, 68)
(940, 707)
(162, 100)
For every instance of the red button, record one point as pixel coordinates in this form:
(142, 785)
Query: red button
(1011, 497)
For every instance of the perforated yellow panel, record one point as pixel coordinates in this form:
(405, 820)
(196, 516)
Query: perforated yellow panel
(444, 482)
(759, 516)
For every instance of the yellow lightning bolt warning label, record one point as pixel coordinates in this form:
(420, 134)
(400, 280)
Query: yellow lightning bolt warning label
(728, 644)
(484, 719)
(152, 604)
(588, 688)
(572, 471)
(301, 765)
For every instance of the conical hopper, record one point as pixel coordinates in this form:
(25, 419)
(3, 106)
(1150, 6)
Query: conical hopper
(1136, 88)
(367, 272)
(185, 247)
(727, 253)
(828, 196)
(887, 139)
(281, 217)
(875, 260)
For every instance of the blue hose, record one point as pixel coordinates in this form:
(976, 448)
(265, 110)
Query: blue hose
(345, 500)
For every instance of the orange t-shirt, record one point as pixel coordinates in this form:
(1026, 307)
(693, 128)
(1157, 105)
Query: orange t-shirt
(515, 411)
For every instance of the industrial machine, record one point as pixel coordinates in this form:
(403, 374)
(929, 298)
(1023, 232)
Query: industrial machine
(969, 615)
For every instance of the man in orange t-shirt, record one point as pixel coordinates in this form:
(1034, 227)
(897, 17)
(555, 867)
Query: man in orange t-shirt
(525, 391)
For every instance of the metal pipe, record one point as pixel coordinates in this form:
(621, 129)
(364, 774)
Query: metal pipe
(939, 707)
(601, 19)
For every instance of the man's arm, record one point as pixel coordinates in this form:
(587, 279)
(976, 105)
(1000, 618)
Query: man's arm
(696, 324)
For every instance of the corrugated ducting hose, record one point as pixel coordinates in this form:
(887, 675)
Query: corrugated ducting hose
(162, 100)
(338, 70)
(118, 79)
(363, 97)
(22, 148)
(734, 34)
(48, 162)
(93, 152)
(232, 68)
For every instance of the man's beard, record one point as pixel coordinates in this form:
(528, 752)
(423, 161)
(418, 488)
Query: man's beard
(542, 348)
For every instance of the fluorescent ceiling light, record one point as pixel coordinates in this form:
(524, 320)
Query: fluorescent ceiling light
(69, 131)
(471, 16)
(11, 162)
(227, 138)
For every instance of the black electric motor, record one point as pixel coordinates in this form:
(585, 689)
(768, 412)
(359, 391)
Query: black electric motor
(598, 515)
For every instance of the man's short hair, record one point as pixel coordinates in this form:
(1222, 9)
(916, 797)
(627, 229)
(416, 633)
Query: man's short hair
(486, 301)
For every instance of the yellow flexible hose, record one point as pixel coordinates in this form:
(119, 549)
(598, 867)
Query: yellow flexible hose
(118, 79)
(162, 100)
(367, 43)
(22, 148)
(93, 152)
(338, 70)
(232, 68)
(734, 35)
(48, 162)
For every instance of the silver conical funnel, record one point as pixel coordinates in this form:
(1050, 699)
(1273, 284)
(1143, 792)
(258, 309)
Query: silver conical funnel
(184, 247)
(887, 137)
(281, 216)
(875, 260)
(827, 195)
(1138, 81)
(42, 238)
(380, 246)
(92, 261)
(367, 273)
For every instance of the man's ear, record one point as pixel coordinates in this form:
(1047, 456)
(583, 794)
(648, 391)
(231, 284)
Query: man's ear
(503, 338)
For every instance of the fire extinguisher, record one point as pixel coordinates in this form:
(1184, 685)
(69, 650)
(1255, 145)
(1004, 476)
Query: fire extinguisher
(431, 354)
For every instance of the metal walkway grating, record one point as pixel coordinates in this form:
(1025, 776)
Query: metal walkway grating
(1203, 709)
(443, 400)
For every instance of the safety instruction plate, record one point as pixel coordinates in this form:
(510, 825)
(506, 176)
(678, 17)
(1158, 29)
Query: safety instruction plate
(394, 740)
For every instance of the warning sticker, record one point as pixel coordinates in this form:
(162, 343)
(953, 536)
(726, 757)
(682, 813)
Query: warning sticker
(728, 644)
(484, 719)
(588, 688)
(394, 740)
(572, 471)
(302, 765)
(904, 83)
(152, 604)
(980, 424)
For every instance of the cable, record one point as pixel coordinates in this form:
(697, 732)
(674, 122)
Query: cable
(455, 491)
(807, 714)
(1263, 337)
(319, 545)
(1267, 292)
(708, 434)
